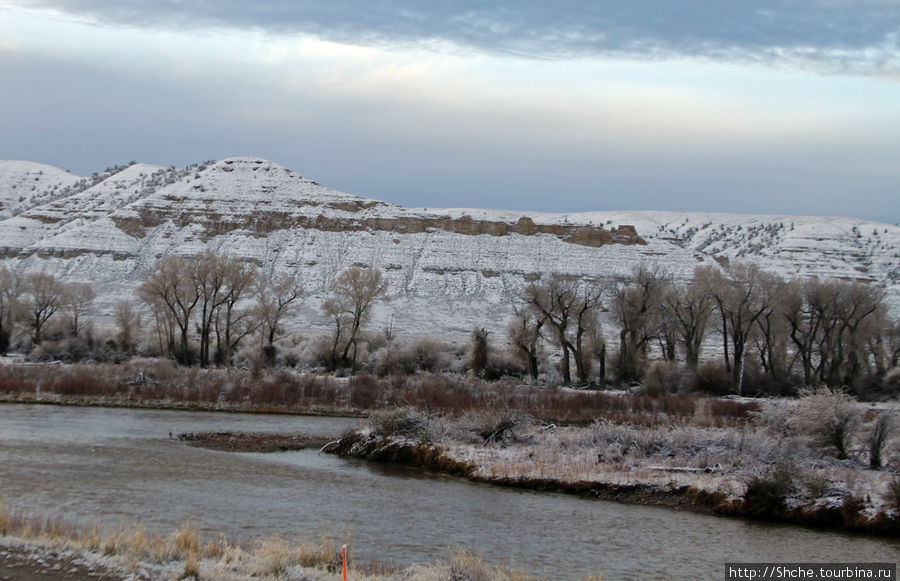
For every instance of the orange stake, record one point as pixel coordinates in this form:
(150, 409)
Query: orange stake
(344, 560)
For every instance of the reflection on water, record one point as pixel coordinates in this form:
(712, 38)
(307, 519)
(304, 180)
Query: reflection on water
(116, 464)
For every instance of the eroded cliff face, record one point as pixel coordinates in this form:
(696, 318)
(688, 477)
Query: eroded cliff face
(264, 223)
(448, 269)
(283, 201)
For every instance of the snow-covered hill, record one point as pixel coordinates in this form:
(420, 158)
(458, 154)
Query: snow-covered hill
(448, 269)
(25, 184)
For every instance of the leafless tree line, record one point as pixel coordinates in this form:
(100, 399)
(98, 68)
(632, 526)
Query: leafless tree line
(212, 300)
(803, 330)
(29, 302)
(229, 300)
(220, 298)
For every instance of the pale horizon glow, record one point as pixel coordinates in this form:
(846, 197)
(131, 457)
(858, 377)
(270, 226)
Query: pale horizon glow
(458, 112)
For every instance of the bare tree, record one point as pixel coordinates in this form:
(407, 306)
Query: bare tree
(770, 334)
(878, 340)
(234, 323)
(275, 298)
(524, 331)
(210, 275)
(835, 328)
(892, 343)
(570, 310)
(595, 346)
(44, 295)
(689, 308)
(808, 308)
(856, 321)
(170, 287)
(11, 289)
(164, 321)
(128, 319)
(354, 294)
(638, 308)
(76, 301)
(738, 292)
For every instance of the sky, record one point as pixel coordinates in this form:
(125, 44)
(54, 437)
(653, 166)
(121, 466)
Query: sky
(752, 106)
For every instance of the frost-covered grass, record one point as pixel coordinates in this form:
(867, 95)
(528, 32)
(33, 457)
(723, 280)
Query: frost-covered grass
(787, 439)
(133, 552)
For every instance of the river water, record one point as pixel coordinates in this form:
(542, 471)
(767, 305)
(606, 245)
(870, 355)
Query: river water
(118, 464)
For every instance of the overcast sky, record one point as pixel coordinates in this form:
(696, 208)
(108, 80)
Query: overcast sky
(758, 106)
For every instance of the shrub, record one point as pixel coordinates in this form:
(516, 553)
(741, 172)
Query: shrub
(760, 383)
(420, 355)
(878, 438)
(816, 486)
(504, 364)
(893, 494)
(425, 355)
(712, 377)
(765, 496)
(492, 424)
(478, 354)
(406, 422)
(852, 510)
(828, 418)
(662, 377)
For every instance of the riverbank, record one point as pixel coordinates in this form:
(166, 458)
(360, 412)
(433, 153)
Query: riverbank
(36, 549)
(708, 490)
(742, 472)
(128, 402)
(756, 470)
(23, 562)
(159, 384)
(252, 442)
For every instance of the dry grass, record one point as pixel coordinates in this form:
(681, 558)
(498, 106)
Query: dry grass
(185, 549)
(187, 554)
(155, 383)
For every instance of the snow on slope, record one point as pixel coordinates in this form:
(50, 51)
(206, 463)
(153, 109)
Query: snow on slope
(448, 269)
(25, 184)
(40, 226)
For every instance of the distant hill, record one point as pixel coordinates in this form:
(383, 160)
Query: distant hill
(448, 269)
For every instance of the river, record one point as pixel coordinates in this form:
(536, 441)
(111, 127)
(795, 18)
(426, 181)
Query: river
(121, 464)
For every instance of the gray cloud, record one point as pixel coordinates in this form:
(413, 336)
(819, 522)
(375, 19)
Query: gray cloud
(856, 36)
(83, 119)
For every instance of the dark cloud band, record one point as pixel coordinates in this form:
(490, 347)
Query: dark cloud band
(856, 36)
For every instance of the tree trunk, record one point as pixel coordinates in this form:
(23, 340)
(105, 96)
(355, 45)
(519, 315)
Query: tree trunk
(603, 363)
(725, 342)
(533, 364)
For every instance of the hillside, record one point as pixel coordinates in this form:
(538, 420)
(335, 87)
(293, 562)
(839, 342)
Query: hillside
(25, 184)
(448, 269)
